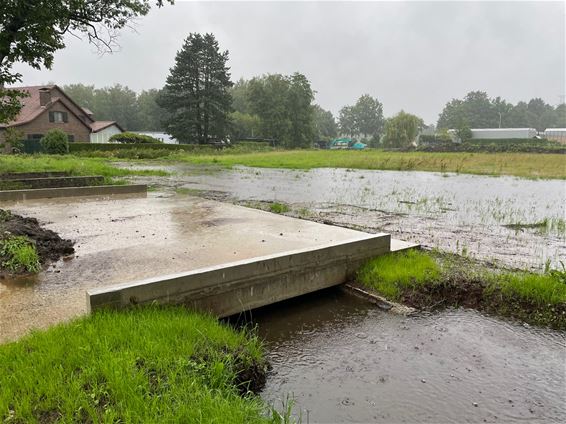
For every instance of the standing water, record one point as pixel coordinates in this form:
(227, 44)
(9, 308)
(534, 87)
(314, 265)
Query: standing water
(343, 360)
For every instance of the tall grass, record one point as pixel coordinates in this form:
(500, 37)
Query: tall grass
(145, 365)
(517, 164)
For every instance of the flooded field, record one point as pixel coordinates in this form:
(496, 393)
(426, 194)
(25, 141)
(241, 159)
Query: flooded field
(343, 360)
(511, 221)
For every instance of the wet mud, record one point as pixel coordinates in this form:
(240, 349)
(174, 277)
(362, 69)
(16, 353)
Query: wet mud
(50, 246)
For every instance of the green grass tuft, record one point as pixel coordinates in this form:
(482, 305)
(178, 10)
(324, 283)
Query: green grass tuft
(143, 365)
(393, 273)
(278, 207)
(18, 254)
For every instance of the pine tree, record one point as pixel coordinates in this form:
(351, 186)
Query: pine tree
(197, 92)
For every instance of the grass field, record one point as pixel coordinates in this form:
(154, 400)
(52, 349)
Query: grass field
(142, 366)
(516, 164)
(71, 164)
(423, 279)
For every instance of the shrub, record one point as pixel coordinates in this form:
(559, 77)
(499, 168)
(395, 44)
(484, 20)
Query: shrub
(14, 138)
(130, 137)
(55, 142)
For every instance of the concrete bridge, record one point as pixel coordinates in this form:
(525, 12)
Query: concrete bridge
(231, 288)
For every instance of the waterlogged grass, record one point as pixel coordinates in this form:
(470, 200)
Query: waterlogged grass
(18, 254)
(278, 207)
(141, 366)
(72, 164)
(517, 164)
(427, 280)
(545, 226)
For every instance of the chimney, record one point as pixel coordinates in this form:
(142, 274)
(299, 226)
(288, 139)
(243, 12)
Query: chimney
(44, 96)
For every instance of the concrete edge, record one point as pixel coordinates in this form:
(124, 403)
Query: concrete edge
(47, 193)
(238, 286)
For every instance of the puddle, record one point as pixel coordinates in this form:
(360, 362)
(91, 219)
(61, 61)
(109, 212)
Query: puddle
(467, 214)
(343, 360)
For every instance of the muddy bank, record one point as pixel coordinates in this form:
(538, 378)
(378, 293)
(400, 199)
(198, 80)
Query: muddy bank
(50, 246)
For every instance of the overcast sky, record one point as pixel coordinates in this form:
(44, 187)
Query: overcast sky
(414, 56)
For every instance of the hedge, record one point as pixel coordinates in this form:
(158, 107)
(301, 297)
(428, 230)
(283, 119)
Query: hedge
(134, 138)
(525, 145)
(108, 147)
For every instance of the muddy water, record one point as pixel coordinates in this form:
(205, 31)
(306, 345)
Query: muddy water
(458, 213)
(342, 360)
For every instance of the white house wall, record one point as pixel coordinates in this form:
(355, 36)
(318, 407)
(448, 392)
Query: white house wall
(104, 135)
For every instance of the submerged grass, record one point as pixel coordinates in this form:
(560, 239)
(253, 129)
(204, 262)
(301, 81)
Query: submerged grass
(143, 365)
(428, 280)
(517, 164)
(277, 207)
(72, 164)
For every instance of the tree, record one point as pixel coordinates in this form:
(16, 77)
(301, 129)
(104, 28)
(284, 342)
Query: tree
(244, 125)
(325, 125)
(240, 96)
(347, 121)
(402, 130)
(117, 103)
(364, 119)
(284, 106)
(31, 31)
(83, 95)
(197, 91)
(476, 110)
(151, 116)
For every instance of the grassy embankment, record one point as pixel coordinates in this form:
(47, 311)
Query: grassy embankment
(516, 164)
(72, 164)
(145, 365)
(432, 280)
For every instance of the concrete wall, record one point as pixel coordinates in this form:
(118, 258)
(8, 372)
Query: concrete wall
(239, 286)
(48, 193)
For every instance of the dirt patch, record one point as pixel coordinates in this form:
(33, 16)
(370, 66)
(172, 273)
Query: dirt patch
(50, 246)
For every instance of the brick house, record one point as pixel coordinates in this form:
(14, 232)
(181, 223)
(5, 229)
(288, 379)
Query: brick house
(47, 107)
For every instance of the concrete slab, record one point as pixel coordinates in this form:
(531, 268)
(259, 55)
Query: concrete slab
(119, 240)
(399, 245)
(236, 287)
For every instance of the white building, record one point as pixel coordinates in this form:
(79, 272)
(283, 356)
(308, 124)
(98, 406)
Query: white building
(496, 133)
(556, 134)
(103, 130)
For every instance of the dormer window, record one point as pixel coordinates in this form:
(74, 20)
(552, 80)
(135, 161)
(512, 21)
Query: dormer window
(58, 117)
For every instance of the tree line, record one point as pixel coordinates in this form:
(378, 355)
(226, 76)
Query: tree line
(199, 103)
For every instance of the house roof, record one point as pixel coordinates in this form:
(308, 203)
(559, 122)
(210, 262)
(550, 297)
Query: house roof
(100, 125)
(32, 108)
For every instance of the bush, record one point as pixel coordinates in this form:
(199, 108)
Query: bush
(55, 142)
(133, 138)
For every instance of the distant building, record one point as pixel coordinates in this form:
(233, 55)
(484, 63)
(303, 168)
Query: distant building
(496, 133)
(556, 134)
(47, 107)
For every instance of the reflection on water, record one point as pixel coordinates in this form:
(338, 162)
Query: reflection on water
(345, 361)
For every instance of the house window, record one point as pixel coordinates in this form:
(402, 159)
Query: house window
(71, 138)
(58, 117)
(35, 136)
